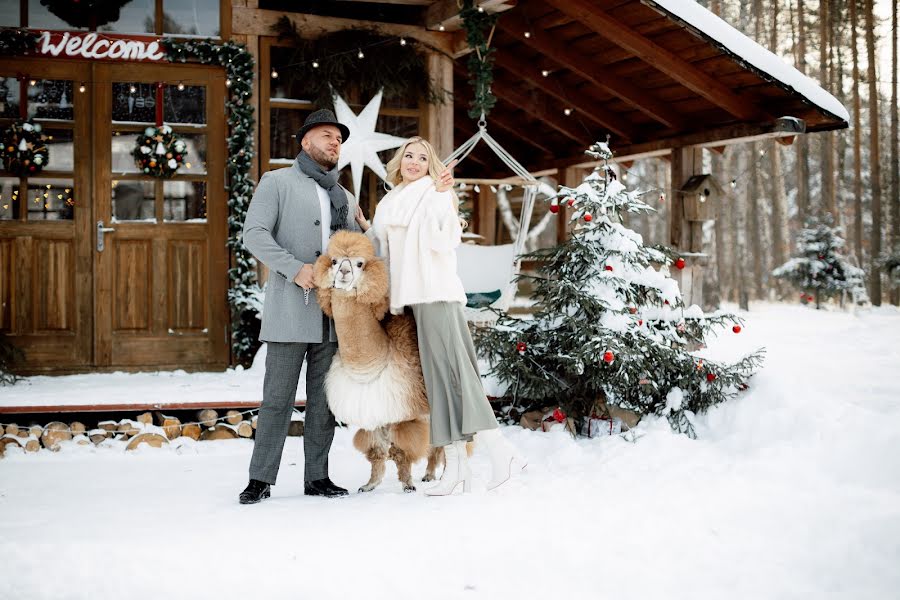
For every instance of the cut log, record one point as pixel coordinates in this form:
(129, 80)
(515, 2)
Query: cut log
(35, 430)
(77, 427)
(108, 425)
(54, 433)
(191, 430)
(145, 418)
(233, 417)
(295, 428)
(171, 425)
(98, 435)
(207, 417)
(151, 439)
(219, 432)
(12, 429)
(245, 429)
(8, 440)
(128, 428)
(32, 444)
(254, 421)
(81, 440)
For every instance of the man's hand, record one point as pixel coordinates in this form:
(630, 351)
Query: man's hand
(305, 277)
(445, 179)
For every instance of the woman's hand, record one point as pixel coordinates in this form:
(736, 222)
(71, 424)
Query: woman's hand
(361, 219)
(445, 179)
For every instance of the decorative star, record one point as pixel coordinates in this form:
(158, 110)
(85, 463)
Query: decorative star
(364, 143)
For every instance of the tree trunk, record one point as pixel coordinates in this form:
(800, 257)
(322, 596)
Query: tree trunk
(857, 143)
(720, 286)
(780, 248)
(754, 192)
(874, 155)
(895, 151)
(740, 228)
(802, 143)
(827, 138)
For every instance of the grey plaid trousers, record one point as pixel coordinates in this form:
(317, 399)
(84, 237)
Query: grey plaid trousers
(283, 363)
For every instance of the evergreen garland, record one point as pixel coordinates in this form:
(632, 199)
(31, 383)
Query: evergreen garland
(479, 27)
(243, 295)
(401, 71)
(17, 42)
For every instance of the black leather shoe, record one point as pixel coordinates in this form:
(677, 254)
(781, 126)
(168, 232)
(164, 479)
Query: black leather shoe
(256, 491)
(323, 487)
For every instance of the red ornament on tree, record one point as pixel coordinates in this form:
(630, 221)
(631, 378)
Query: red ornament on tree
(554, 208)
(679, 264)
(640, 322)
(608, 357)
(607, 268)
(588, 217)
(632, 309)
(736, 329)
(710, 376)
(571, 201)
(520, 347)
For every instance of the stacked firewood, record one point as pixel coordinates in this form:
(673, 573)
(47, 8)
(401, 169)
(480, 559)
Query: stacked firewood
(154, 429)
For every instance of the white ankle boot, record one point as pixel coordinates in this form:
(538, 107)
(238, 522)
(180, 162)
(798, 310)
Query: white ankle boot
(505, 459)
(456, 471)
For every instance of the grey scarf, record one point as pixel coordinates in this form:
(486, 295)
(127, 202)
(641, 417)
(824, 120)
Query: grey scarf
(328, 181)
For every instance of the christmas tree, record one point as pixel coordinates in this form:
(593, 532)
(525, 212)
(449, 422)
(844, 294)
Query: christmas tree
(611, 328)
(819, 270)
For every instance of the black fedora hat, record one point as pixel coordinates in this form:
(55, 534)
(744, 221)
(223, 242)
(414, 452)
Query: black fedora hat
(322, 117)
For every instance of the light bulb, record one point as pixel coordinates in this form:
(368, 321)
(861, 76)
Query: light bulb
(81, 88)
(545, 72)
(274, 74)
(402, 41)
(441, 28)
(315, 65)
(132, 89)
(180, 86)
(360, 54)
(568, 111)
(527, 34)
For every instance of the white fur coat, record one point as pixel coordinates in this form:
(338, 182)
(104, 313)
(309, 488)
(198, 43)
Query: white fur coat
(417, 229)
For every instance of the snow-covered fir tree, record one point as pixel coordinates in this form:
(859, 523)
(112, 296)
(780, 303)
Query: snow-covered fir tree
(818, 269)
(610, 325)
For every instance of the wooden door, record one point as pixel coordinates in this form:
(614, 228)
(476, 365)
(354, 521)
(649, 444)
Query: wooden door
(160, 279)
(45, 220)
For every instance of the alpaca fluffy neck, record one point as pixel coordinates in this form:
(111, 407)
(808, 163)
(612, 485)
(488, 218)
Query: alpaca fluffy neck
(363, 342)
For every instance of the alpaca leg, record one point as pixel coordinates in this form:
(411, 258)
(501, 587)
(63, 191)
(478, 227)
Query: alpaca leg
(404, 468)
(411, 437)
(435, 459)
(373, 446)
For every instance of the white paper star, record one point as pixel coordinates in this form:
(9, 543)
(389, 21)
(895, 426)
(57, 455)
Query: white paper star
(364, 143)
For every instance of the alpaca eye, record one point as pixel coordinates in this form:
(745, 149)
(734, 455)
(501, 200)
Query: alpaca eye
(359, 264)
(333, 261)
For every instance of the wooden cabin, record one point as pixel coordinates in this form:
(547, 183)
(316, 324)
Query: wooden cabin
(103, 267)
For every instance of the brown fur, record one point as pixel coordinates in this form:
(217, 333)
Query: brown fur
(366, 337)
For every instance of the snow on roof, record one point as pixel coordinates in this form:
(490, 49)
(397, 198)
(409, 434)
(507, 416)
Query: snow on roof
(748, 51)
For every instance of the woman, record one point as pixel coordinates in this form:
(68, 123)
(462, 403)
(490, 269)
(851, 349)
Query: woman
(417, 229)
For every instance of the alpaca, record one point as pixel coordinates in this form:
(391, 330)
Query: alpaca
(375, 381)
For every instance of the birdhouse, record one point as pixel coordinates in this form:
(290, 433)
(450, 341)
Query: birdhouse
(702, 195)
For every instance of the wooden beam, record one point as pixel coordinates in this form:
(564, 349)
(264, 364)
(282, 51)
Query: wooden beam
(713, 138)
(446, 13)
(253, 21)
(586, 12)
(514, 25)
(502, 88)
(526, 71)
(438, 118)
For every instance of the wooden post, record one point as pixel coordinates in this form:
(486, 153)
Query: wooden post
(437, 127)
(486, 205)
(684, 235)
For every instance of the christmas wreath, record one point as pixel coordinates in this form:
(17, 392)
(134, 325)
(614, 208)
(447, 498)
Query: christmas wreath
(24, 152)
(159, 152)
(86, 13)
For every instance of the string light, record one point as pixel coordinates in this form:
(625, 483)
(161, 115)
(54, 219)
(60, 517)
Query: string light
(228, 83)
(402, 41)
(545, 72)
(180, 86)
(360, 54)
(568, 111)
(481, 9)
(527, 35)
(441, 28)
(315, 64)
(274, 74)
(33, 82)
(132, 89)
(81, 88)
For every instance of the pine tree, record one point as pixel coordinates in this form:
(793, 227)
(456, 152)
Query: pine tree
(819, 270)
(610, 326)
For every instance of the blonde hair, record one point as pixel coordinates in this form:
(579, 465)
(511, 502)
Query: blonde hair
(435, 166)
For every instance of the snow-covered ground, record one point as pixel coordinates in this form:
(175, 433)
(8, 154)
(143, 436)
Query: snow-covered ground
(792, 491)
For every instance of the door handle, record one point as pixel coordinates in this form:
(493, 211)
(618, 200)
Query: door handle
(100, 231)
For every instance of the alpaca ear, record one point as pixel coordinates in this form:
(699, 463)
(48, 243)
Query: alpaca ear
(372, 288)
(323, 280)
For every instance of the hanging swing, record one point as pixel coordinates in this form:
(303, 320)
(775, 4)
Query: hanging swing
(489, 273)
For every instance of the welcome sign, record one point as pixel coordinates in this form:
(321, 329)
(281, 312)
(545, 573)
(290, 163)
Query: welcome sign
(99, 46)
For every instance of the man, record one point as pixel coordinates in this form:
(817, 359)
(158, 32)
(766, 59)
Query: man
(293, 213)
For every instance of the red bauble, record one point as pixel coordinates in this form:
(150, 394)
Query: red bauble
(802, 295)
(558, 415)
(571, 201)
(607, 268)
(665, 302)
(588, 217)
(679, 264)
(632, 309)
(640, 322)
(809, 298)
(520, 347)
(736, 329)
(608, 357)
(710, 376)
(554, 208)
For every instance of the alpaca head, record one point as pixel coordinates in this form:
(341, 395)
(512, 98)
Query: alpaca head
(350, 264)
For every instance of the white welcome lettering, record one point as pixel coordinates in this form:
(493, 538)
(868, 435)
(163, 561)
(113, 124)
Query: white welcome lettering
(89, 45)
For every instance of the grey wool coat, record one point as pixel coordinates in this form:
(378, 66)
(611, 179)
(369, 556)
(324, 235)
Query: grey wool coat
(283, 231)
